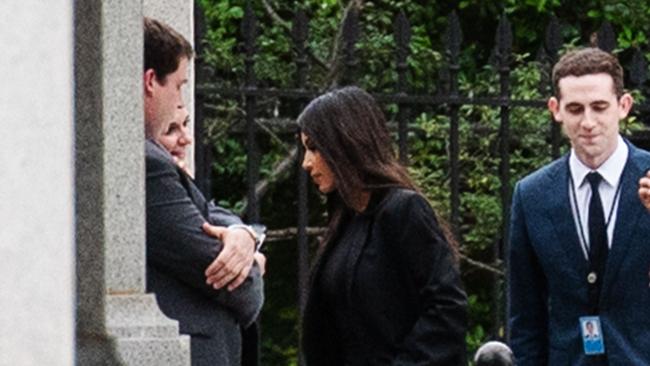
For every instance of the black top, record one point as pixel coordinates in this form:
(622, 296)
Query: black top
(332, 283)
(397, 296)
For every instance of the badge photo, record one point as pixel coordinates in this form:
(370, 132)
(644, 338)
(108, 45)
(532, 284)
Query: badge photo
(592, 336)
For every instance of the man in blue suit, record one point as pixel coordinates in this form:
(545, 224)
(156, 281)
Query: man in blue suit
(579, 234)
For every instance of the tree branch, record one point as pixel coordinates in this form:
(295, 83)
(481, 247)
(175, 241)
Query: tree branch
(335, 52)
(271, 12)
(292, 232)
(481, 265)
(286, 26)
(278, 169)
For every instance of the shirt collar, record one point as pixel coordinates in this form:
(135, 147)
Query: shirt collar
(610, 170)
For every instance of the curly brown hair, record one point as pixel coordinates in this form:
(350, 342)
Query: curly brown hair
(586, 61)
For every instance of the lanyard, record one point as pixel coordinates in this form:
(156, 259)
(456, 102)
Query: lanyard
(574, 197)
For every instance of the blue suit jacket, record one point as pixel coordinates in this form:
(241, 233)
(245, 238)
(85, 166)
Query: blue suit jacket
(548, 271)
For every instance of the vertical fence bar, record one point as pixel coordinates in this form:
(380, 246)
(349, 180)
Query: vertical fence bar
(202, 148)
(606, 40)
(638, 75)
(249, 30)
(252, 335)
(553, 43)
(300, 33)
(503, 54)
(638, 69)
(350, 37)
(402, 40)
(453, 39)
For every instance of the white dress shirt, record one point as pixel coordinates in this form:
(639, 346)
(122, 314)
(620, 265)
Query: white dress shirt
(611, 171)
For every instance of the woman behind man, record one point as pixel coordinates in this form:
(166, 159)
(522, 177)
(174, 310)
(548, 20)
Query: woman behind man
(385, 288)
(176, 139)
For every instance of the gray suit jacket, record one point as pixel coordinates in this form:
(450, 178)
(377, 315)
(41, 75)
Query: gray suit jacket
(178, 252)
(548, 272)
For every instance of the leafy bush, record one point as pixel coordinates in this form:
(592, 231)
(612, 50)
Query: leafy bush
(480, 202)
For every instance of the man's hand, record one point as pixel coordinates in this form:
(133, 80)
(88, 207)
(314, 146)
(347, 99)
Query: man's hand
(232, 265)
(644, 190)
(181, 164)
(261, 262)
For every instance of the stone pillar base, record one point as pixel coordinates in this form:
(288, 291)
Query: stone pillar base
(97, 350)
(143, 334)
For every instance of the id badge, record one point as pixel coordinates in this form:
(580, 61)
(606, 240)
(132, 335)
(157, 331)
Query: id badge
(592, 335)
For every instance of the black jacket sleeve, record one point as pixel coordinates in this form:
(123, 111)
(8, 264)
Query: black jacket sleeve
(438, 335)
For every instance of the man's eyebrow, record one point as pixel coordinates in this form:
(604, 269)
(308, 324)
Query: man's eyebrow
(573, 104)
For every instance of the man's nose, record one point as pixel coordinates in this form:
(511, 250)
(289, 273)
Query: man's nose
(588, 120)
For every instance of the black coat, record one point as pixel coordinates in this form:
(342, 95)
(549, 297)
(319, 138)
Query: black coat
(178, 252)
(405, 298)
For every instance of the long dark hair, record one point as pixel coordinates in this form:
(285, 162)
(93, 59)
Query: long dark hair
(349, 130)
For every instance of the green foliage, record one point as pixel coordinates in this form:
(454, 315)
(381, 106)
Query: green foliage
(477, 335)
(632, 17)
(481, 204)
(222, 18)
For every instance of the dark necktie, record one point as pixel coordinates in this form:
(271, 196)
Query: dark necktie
(597, 251)
(597, 230)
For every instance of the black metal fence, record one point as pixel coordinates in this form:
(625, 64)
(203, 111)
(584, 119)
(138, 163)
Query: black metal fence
(447, 98)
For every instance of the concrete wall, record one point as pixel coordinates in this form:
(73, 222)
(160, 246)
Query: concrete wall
(116, 318)
(36, 183)
(72, 186)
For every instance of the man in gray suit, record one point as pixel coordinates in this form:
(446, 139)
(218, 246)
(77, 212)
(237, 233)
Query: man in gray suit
(579, 235)
(187, 268)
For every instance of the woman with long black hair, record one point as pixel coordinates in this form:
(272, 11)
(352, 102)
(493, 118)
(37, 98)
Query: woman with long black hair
(385, 288)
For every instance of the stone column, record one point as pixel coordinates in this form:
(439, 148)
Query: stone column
(179, 14)
(36, 184)
(114, 310)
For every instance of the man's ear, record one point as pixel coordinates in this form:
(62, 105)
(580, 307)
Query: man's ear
(554, 107)
(624, 105)
(149, 78)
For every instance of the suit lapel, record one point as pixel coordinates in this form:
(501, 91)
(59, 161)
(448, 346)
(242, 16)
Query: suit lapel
(362, 229)
(195, 194)
(556, 192)
(627, 214)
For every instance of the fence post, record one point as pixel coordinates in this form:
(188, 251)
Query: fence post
(453, 39)
(606, 38)
(202, 148)
(553, 43)
(402, 40)
(503, 53)
(350, 37)
(300, 34)
(249, 30)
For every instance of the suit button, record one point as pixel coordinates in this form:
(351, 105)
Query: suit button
(592, 277)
